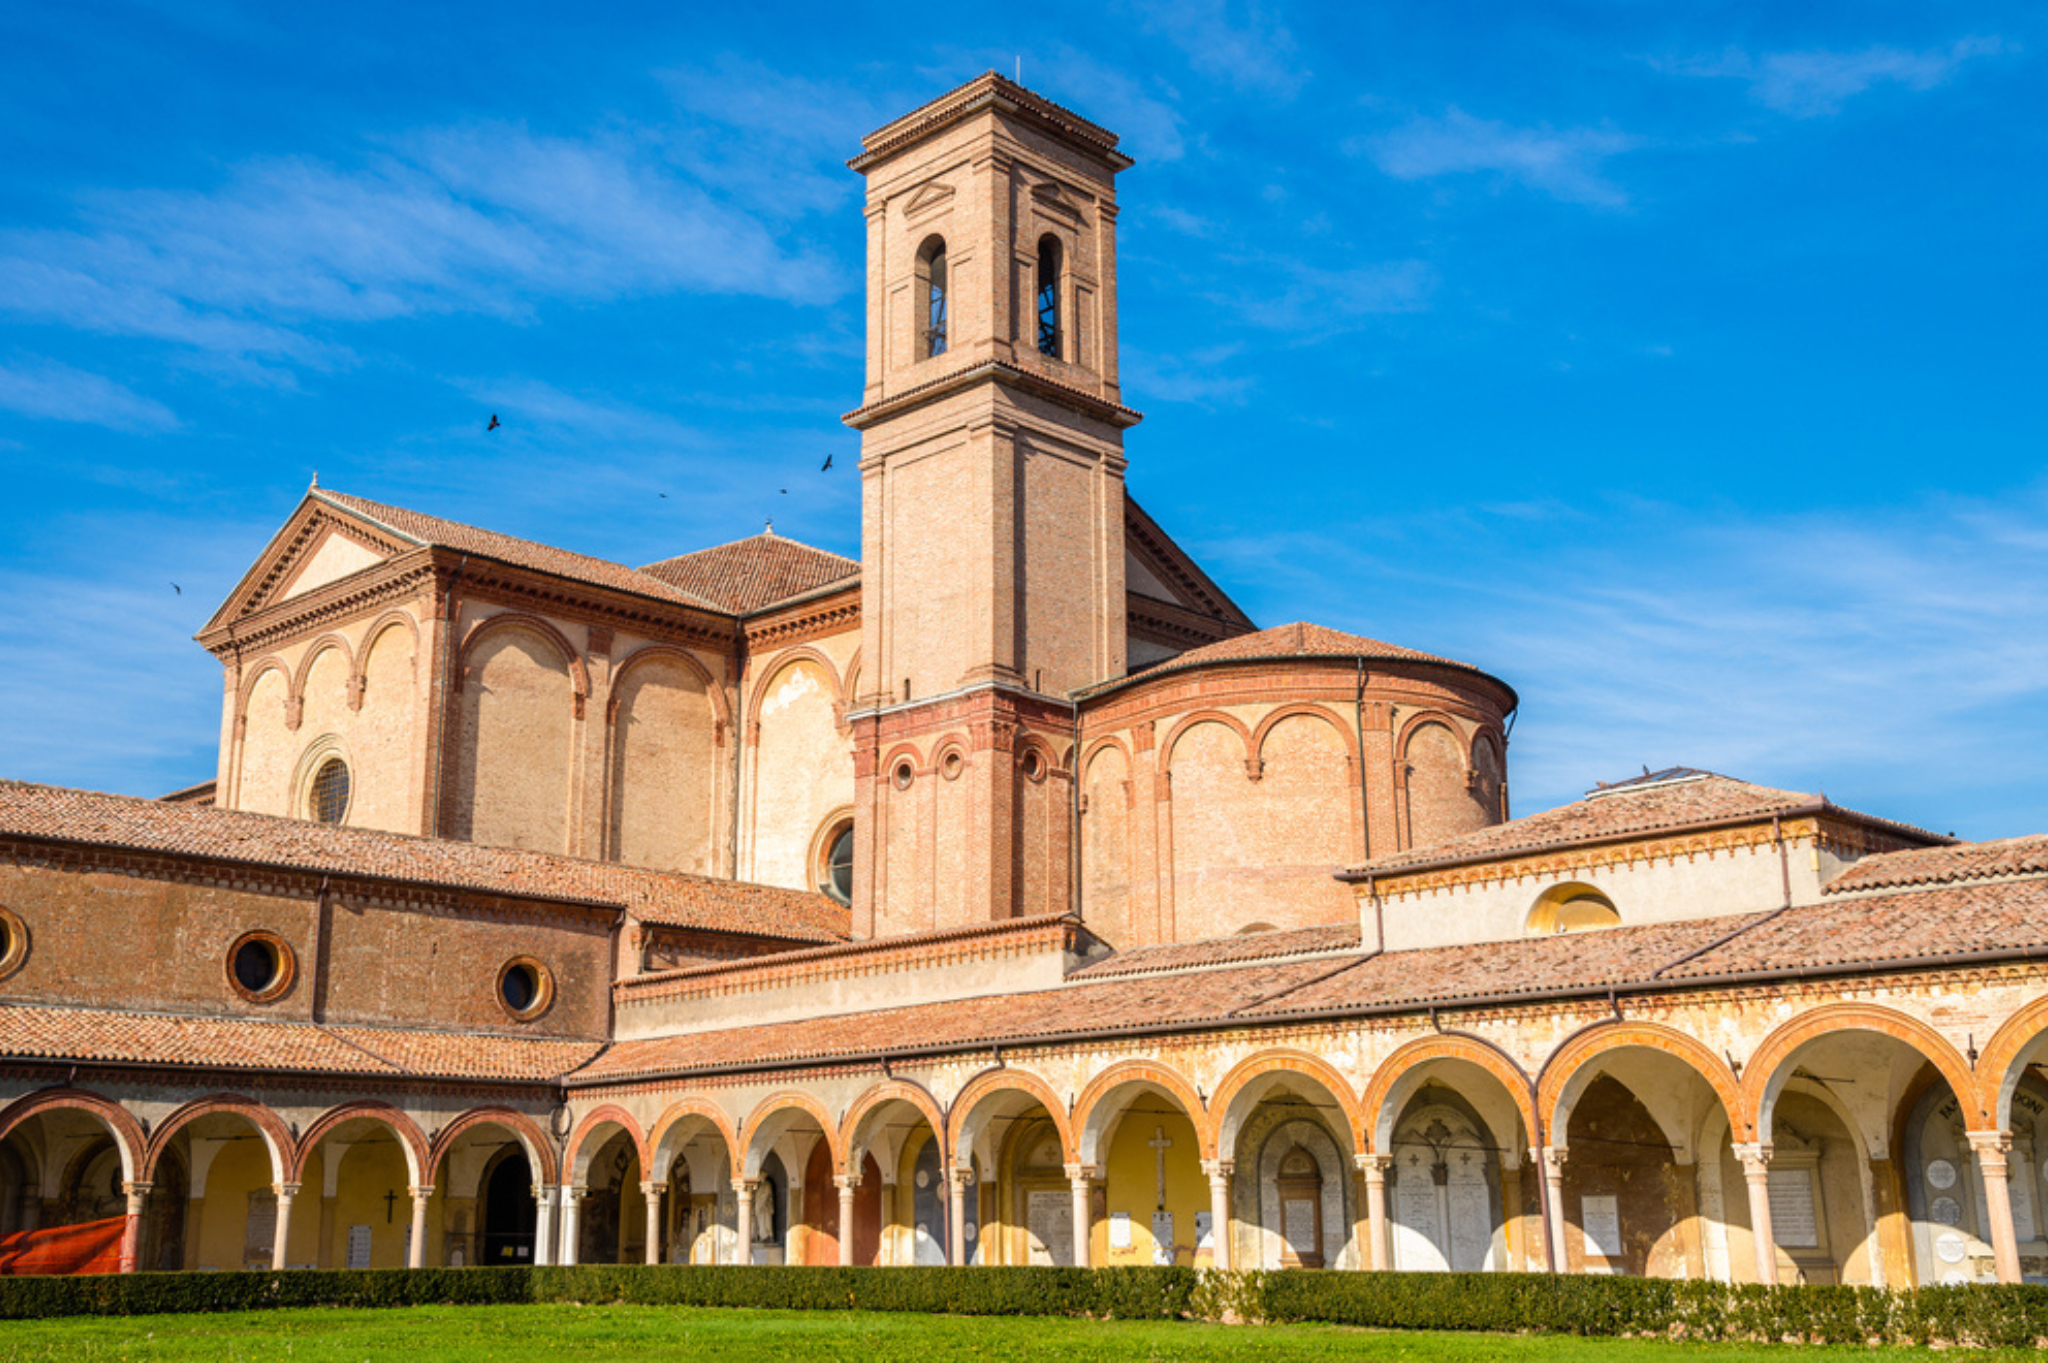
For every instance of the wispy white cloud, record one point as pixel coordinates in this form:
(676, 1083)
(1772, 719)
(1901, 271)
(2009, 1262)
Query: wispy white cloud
(1243, 43)
(1899, 660)
(49, 391)
(1201, 377)
(1809, 84)
(489, 219)
(1565, 163)
(1312, 301)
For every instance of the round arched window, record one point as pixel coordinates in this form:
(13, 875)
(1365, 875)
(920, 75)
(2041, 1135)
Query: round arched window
(836, 875)
(1572, 907)
(525, 988)
(328, 796)
(260, 966)
(13, 942)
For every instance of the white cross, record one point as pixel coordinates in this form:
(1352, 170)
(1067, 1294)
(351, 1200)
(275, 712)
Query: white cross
(1160, 1145)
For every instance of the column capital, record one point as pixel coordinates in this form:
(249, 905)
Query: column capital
(544, 1193)
(286, 1189)
(960, 1175)
(1218, 1169)
(574, 1192)
(1984, 1143)
(1373, 1165)
(421, 1191)
(1755, 1157)
(649, 1188)
(745, 1185)
(1552, 1158)
(846, 1183)
(138, 1189)
(1080, 1175)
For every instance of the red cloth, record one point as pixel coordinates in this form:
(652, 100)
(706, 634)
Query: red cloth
(94, 1247)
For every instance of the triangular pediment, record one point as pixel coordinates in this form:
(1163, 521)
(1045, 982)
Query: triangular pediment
(1047, 196)
(319, 545)
(928, 197)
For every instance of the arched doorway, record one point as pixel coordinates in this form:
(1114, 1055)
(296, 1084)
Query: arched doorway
(507, 1218)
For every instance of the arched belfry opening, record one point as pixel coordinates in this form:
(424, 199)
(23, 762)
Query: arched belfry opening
(1050, 333)
(932, 285)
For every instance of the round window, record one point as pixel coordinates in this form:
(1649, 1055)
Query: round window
(525, 988)
(13, 942)
(1033, 764)
(905, 773)
(328, 796)
(838, 877)
(951, 767)
(260, 966)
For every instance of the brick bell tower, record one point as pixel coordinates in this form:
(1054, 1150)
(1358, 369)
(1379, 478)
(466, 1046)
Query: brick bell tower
(992, 502)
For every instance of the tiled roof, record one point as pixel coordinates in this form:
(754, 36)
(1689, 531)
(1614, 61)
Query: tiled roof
(1303, 640)
(243, 1043)
(1939, 865)
(1988, 921)
(1628, 811)
(752, 574)
(432, 530)
(1256, 946)
(669, 897)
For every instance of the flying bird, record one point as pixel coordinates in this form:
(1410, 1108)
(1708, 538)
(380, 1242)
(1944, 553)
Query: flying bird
(176, 588)
(494, 422)
(664, 496)
(826, 466)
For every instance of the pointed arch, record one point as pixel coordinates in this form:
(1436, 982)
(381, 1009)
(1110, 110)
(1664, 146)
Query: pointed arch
(539, 1150)
(1759, 1086)
(576, 1162)
(1387, 1081)
(848, 1146)
(1590, 1043)
(276, 1135)
(1283, 1060)
(410, 1138)
(1151, 1072)
(126, 1131)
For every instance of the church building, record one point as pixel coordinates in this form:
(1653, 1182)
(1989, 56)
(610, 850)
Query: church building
(1006, 896)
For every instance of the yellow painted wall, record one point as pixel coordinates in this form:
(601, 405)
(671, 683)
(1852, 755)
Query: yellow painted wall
(1132, 1184)
(368, 1172)
(241, 1168)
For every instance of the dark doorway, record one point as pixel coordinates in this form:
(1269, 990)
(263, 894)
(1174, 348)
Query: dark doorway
(509, 1211)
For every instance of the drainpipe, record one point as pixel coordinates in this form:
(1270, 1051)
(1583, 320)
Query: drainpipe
(1074, 836)
(1364, 807)
(438, 718)
(1785, 881)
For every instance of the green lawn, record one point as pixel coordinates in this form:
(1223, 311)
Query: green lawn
(523, 1334)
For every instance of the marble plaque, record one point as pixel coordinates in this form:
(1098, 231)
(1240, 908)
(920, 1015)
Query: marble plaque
(1947, 1211)
(1415, 1206)
(1298, 1225)
(1600, 1221)
(1950, 1247)
(2022, 1207)
(1049, 1215)
(1471, 1216)
(1162, 1238)
(1794, 1224)
(1205, 1226)
(358, 1246)
(1941, 1174)
(1119, 1230)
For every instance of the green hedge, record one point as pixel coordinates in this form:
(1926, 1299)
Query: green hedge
(1504, 1302)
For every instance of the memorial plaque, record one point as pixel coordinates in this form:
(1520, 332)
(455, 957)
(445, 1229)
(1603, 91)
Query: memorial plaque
(1950, 1247)
(358, 1246)
(1162, 1238)
(1049, 1215)
(2022, 1209)
(1600, 1221)
(1941, 1174)
(1205, 1227)
(1947, 1211)
(1415, 1206)
(260, 1233)
(1793, 1221)
(1119, 1230)
(1471, 1215)
(1298, 1226)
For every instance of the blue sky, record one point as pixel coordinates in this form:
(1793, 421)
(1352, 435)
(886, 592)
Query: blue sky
(1681, 363)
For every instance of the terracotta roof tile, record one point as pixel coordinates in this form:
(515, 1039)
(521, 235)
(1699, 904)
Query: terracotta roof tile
(669, 897)
(243, 1043)
(1869, 932)
(1629, 810)
(1938, 865)
(1223, 951)
(752, 574)
(432, 530)
(1303, 640)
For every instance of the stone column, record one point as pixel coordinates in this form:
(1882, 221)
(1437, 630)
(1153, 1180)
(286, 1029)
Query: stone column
(416, 1251)
(1991, 1149)
(1756, 1172)
(543, 1225)
(572, 1205)
(743, 1218)
(282, 1233)
(847, 1184)
(1374, 1170)
(1218, 1171)
(1081, 1177)
(131, 1233)
(650, 1194)
(958, 1181)
(1555, 1225)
